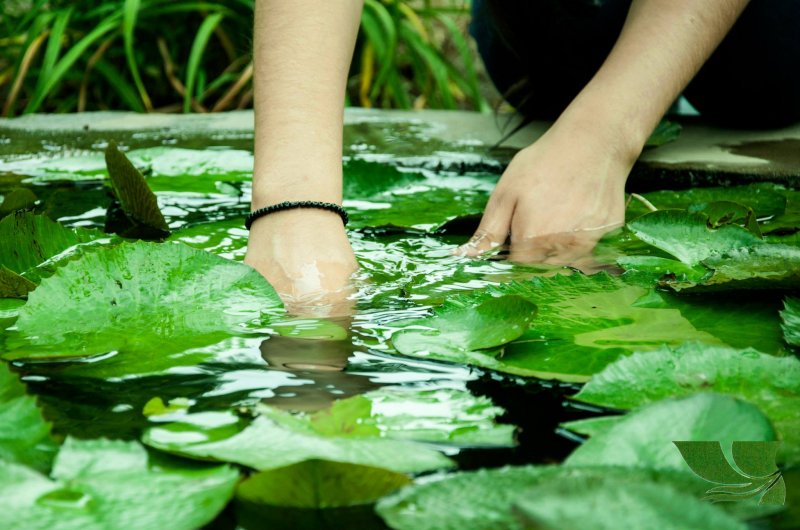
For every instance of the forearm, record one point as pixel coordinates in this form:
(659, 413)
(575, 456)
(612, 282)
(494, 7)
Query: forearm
(302, 53)
(662, 46)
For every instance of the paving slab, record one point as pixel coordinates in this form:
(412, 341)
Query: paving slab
(702, 155)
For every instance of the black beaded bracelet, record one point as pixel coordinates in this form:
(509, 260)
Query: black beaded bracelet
(289, 205)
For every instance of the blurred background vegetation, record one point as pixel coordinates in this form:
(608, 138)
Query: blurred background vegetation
(195, 56)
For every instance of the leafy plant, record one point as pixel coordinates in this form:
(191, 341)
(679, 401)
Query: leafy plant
(190, 55)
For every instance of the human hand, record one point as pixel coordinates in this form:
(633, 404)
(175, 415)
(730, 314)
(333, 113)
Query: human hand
(306, 256)
(557, 198)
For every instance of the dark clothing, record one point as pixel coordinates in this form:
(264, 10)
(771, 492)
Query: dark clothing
(541, 53)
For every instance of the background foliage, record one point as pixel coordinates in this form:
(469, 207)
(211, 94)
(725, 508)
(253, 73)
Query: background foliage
(195, 55)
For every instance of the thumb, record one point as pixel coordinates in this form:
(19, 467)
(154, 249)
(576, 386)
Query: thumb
(493, 229)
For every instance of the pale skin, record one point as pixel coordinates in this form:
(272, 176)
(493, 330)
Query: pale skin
(554, 201)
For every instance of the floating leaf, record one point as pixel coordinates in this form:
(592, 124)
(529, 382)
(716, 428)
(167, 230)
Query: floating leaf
(771, 383)
(27, 240)
(573, 502)
(766, 200)
(734, 257)
(141, 298)
(483, 499)
(113, 485)
(687, 237)
(791, 321)
(277, 439)
(460, 329)
(644, 438)
(24, 433)
(317, 484)
(138, 203)
(442, 416)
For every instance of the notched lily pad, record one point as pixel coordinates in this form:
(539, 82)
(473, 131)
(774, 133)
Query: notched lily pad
(732, 256)
(141, 299)
(772, 383)
(138, 215)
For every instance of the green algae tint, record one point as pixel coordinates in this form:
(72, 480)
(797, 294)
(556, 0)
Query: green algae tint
(179, 345)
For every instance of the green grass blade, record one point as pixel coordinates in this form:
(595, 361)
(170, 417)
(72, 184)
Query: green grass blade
(130, 14)
(54, 44)
(199, 44)
(467, 60)
(386, 27)
(68, 60)
(126, 92)
(435, 64)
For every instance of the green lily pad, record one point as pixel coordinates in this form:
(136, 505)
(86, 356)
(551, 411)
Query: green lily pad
(276, 439)
(142, 216)
(686, 236)
(644, 438)
(733, 257)
(442, 416)
(665, 132)
(112, 485)
(766, 200)
(318, 484)
(572, 502)
(27, 240)
(484, 499)
(24, 433)
(771, 383)
(791, 321)
(141, 299)
(460, 328)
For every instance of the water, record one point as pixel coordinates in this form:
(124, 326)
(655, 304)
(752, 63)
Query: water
(403, 238)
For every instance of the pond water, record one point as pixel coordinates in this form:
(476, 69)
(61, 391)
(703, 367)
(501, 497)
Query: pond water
(412, 199)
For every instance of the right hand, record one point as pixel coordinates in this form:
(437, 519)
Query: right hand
(306, 256)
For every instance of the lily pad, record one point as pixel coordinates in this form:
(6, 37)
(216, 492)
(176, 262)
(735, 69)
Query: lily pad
(276, 439)
(484, 499)
(17, 199)
(771, 383)
(687, 237)
(644, 438)
(572, 502)
(24, 433)
(27, 240)
(461, 328)
(733, 257)
(318, 484)
(141, 298)
(113, 485)
(791, 321)
(442, 416)
(142, 216)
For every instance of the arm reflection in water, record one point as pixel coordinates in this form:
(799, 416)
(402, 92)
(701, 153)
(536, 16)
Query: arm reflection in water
(323, 361)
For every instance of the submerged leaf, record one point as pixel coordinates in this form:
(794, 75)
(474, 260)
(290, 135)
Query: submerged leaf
(113, 485)
(138, 202)
(17, 199)
(141, 298)
(771, 383)
(24, 433)
(318, 484)
(276, 439)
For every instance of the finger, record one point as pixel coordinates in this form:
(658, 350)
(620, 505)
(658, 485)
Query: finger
(493, 229)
